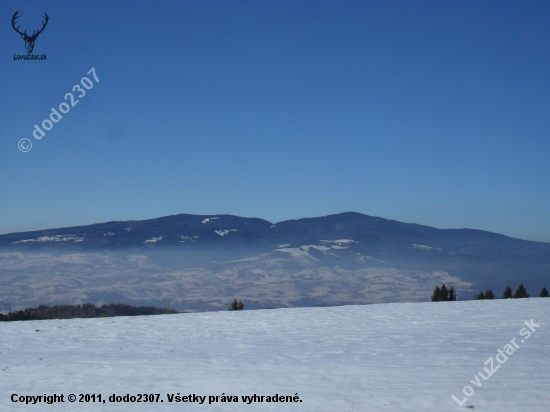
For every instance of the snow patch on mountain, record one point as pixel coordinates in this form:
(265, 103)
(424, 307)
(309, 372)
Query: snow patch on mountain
(295, 252)
(224, 232)
(154, 240)
(303, 250)
(415, 246)
(250, 259)
(363, 257)
(340, 243)
(320, 248)
(187, 238)
(209, 220)
(54, 238)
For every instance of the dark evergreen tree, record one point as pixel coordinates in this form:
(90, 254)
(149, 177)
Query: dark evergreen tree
(543, 292)
(236, 305)
(444, 293)
(452, 294)
(489, 294)
(507, 293)
(480, 296)
(521, 292)
(436, 294)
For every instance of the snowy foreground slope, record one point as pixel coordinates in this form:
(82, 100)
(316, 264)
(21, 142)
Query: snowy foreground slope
(385, 357)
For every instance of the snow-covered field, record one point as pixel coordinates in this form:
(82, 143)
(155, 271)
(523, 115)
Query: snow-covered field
(384, 357)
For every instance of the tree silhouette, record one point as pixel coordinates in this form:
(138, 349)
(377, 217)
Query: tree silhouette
(236, 305)
(507, 293)
(452, 294)
(442, 294)
(543, 292)
(436, 294)
(521, 292)
(489, 294)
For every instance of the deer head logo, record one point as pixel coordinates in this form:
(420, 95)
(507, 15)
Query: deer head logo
(29, 40)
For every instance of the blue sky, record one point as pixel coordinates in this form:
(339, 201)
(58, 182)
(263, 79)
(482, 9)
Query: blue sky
(431, 112)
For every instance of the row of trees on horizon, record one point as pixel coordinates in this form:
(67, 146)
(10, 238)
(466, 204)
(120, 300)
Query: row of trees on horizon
(87, 310)
(442, 294)
(520, 293)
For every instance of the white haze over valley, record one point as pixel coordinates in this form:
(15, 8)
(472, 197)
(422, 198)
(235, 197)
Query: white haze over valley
(285, 277)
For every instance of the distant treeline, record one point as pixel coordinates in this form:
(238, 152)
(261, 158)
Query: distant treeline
(520, 293)
(87, 310)
(444, 294)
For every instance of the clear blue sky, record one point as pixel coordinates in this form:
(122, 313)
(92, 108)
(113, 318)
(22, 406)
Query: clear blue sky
(432, 112)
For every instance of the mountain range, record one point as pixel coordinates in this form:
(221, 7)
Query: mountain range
(200, 262)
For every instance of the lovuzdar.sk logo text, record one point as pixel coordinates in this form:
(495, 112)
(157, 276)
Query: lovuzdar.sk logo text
(29, 40)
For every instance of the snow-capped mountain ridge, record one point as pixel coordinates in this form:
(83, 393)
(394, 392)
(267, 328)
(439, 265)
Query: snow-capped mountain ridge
(197, 261)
